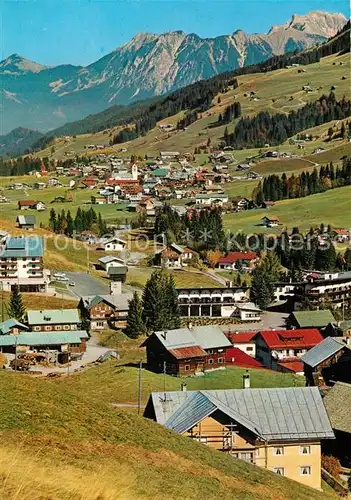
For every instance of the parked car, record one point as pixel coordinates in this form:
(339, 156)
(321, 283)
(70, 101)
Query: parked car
(72, 283)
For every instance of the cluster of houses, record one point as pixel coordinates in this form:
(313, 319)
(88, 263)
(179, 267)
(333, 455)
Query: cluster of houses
(282, 430)
(56, 330)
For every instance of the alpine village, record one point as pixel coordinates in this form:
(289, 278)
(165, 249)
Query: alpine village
(175, 274)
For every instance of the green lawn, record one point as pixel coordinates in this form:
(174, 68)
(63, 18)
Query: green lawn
(331, 207)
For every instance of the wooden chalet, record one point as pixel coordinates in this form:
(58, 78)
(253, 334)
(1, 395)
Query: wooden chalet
(328, 362)
(187, 351)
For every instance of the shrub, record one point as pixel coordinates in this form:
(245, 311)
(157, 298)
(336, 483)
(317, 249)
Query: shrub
(332, 465)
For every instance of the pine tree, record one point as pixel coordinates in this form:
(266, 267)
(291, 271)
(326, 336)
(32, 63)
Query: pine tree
(135, 324)
(260, 291)
(53, 221)
(160, 309)
(69, 225)
(16, 308)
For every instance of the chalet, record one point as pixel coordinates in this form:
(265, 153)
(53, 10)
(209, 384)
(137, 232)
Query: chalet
(187, 351)
(247, 311)
(339, 329)
(89, 183)
(267, 427)
(175, 256)
(243, 166)
(53, 320)
(268, 204)
(238, 260)
(27, 204)
(110, 261)
(328, 362)
(39, 185)
(70, 341)
(113, 244)
(105, 311)
(236, 357)
(25, 222)
(169, 155)
(278, 349)
(310, 319)
(209, 199)
(270, 221)
(340, 419)
(240, 203)
(244, 341)
(12, 327)
(53, 182)
(342, 235)
(253, 175)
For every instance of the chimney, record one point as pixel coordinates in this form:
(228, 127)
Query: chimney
(246, 380)
(115, 288)
(183, 387)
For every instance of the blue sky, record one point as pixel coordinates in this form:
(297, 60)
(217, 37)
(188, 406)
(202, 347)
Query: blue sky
(81, 31)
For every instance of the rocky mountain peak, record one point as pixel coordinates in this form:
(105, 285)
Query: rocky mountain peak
(17, 64)
(316, 22)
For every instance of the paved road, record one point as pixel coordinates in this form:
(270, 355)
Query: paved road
(85, 284)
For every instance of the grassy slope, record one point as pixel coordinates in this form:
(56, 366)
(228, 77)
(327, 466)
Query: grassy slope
(331, 207)
(68, 442)
(279, 85)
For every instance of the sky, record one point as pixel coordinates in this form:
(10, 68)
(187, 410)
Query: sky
(53, 32)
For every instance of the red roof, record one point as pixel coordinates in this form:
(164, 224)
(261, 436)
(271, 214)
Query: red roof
(296, 339)
(235, 356)
(235, 256)
(26, 203)
(241, 337)
(188, 352)
(295, 366)
(89, 182)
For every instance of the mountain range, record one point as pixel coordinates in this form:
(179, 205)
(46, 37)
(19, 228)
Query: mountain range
(44, 97)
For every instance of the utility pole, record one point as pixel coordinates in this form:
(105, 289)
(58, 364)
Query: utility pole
(164, 377)
(139, 386)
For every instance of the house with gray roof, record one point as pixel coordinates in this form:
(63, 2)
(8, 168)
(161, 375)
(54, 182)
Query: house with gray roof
(105, 311)
(12, 327)
(71, 341)
(328, 362)
(278, 429)
(187, 351)
(26, 221)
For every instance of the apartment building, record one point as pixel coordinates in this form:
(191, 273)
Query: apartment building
(213, 302)
(21, 264)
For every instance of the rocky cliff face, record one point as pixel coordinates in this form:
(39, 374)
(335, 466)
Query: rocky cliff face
(43, 97)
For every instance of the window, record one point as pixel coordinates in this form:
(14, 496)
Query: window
(210, 361)
(47, 328)
(187, 368)
(279, 470)
(66, 327)
(278, 450)
(57, 327)
(36, 329)
(249, 348)
(305, 470)
(248, 457)
(220, 360)
(305, 450)
(99, 323)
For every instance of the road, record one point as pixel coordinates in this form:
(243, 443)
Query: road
(85, 284)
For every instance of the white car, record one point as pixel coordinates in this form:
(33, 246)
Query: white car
(62, 278)
(72, 283)
(59, 275)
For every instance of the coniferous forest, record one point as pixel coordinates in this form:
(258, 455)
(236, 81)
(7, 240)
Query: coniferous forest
(275, 187)
(266, 128)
